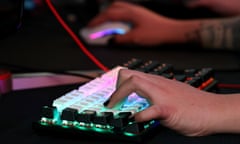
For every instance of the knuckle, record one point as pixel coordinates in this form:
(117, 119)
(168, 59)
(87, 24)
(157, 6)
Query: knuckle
(156, 109)
(123, 72)
(135, 80)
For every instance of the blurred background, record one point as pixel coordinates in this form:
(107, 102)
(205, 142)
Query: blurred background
(43, 44)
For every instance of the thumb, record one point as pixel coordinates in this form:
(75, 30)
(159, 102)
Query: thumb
(153, 112)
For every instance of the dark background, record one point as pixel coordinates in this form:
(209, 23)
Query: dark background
(42, 44)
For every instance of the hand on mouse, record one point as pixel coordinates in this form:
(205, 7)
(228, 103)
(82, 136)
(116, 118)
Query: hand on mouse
(148, 28)
(177, 105)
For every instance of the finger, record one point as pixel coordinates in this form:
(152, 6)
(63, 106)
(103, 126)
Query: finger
(124, 74)
(130, 81)
(115, 12)
(153, 112)
(128, 85)
(109, 15)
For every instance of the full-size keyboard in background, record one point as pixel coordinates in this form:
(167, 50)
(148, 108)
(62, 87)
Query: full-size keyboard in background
(81, 110)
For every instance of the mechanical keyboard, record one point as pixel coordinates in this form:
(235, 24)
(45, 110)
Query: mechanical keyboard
(81, 111)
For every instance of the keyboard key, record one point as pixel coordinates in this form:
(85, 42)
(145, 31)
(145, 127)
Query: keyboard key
(48, 112)
(181, 78)
(121, 120)
(135, 128)
(133, 63)
(206, 73)
(195, 82)
(163, 68)
(103, 118)
(86, 116)
(167, 75)
(69, 114)
(190, 72)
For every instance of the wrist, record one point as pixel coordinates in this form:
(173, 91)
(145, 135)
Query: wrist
(227, 116)
(185, 31)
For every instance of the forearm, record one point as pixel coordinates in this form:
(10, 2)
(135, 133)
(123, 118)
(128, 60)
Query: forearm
(227, 119)
(164, 1)
(218, 33)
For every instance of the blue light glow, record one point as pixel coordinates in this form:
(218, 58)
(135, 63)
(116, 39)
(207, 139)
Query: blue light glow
(107, 32)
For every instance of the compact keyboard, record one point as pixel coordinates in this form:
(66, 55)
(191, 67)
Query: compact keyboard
(81, 111)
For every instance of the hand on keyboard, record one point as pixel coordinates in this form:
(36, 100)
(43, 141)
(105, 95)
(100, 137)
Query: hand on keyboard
(177, 105)
(178, 99)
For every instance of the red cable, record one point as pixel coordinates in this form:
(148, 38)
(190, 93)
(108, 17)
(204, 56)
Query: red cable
(229, 86)
(75, 37)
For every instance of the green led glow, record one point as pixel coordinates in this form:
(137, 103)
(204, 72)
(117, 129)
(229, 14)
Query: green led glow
(152, 122)
(130, 123)
(47, 121)
(44, 124)
(75, 123)
(129, 134)
(64, 122)
(91, 125)
(82, 124)
(103, 126)
(99, 126)
(43, 119)
(104, 109)
(65, 126)
(85, 124)
(109, 127)
(56, 116)
(83, 128)
(149, 125)
(146, 126)
(100, 130)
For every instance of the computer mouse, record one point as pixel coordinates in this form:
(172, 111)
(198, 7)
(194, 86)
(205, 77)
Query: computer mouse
(101, 34)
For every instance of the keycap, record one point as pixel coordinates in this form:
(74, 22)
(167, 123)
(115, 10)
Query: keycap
(121, 120)
(48, 112)
(195, 82)
(69, 114)
(86, 116)
(181, 78)
(133, 63)
(135, 128)
(206, 73)
(103, 118)
(167, 75)
(148, 66)
(190, 72)
(163, 68)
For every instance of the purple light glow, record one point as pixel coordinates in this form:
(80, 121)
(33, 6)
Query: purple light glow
(106, 32)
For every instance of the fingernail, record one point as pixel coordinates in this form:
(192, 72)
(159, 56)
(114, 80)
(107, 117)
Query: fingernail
(106, 102)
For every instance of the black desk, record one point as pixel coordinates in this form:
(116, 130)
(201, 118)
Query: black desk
(20, 108)
(43, 44)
